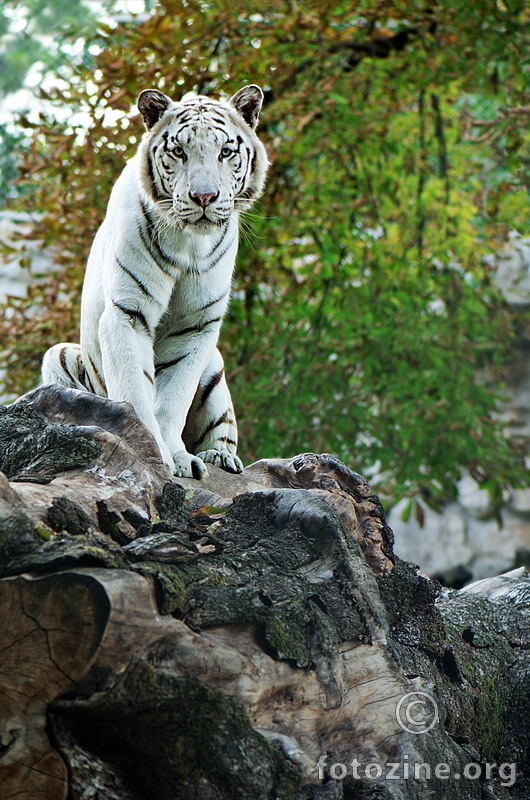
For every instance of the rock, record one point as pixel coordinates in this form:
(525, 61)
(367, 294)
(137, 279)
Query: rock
(438, 544)
(474, 499)
(513, 270)
(455, 577)
(520, 501)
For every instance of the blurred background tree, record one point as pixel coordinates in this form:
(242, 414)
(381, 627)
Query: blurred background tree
(37, 37)
(364, 321)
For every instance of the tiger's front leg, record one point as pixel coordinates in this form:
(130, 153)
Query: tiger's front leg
(125, 341)
(211, 430)
(178, 372)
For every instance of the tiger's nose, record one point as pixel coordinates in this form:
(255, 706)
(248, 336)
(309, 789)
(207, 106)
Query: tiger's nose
(205, 199)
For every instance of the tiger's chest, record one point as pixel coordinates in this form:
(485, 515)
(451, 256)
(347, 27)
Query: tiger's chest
(200, 293)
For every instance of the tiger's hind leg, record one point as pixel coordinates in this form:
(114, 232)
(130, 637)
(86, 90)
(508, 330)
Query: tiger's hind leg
(63, 364)
(211, 431)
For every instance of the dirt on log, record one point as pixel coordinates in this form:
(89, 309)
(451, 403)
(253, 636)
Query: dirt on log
(243, 637)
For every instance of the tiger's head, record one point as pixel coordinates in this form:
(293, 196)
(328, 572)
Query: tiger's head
(201, 160)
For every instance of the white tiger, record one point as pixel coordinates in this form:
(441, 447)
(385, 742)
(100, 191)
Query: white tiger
(159, 274)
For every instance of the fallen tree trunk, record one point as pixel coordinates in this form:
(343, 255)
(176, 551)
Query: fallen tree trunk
(245, 636)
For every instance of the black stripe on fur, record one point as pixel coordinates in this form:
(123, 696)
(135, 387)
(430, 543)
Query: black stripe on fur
(137, 280)
(210, 386)
(195, 328)
(133, 314)
(165, 364)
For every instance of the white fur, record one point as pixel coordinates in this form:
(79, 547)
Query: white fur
(162, 263)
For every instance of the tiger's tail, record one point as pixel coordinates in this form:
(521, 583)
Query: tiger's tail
(63, 364)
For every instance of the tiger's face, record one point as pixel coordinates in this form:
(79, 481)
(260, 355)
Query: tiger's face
(201, 160)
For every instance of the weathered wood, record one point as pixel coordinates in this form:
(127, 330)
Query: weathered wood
(218, 639)
(63, 633)
(347, 493)
(85, 453)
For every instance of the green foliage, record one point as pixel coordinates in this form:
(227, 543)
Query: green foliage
(364, 321)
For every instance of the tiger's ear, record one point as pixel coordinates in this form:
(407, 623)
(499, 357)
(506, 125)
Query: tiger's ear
(152, 105)
(247, 102)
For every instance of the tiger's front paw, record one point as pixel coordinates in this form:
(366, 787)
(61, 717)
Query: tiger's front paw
(223, 459)
(188, 466)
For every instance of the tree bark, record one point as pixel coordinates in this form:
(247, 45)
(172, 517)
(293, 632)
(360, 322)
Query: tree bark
(244, 636)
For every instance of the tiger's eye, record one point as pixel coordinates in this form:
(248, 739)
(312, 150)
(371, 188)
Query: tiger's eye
(179, 151)
(226, 152)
